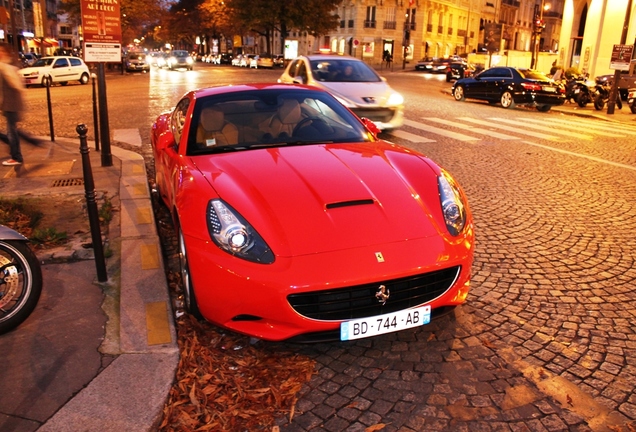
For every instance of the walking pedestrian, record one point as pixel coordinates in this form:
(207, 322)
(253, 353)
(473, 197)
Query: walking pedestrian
(11, 102)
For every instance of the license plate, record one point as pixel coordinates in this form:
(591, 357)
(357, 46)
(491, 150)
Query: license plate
(387, 323)
(549, 89)
(577, 90)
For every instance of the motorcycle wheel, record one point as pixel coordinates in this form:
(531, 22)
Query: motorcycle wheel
(20, 283)
(619, 103)
(599, 103)
(632, 108)
(582, 100)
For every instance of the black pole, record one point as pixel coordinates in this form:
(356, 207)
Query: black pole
(95, 121)
(617, 72)
(107, 158)
(91, 205)
(47, 81)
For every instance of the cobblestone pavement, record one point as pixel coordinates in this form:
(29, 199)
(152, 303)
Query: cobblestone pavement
(547, 339)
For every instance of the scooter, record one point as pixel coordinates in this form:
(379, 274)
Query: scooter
(602, 95)
(631, 99)
(578, 89)
(20, 279)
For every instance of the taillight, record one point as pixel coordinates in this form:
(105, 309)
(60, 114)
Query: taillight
(531, 86)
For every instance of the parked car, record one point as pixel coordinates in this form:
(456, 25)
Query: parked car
(136, 61)
(225, 58)
(236, 61)
(246, 60)
(248, 262)
(279, 60)
(457, 70)
(56, 69)
(353, 83)
(511, 86)
(262, 61)
(179, 59)
(435, 65)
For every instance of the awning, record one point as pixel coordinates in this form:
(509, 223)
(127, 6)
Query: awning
(51, 42)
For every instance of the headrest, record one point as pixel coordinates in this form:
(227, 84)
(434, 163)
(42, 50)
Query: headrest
(289, 112)
(212, 119)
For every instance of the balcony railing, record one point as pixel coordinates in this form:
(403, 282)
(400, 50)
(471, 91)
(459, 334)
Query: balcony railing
(409, 25)
(440, 29)
(450, 31)
(342, 23)
(461, 32)
(350, 24)
(429, 28)
(390, 25)
(514, 3)
(369, 24)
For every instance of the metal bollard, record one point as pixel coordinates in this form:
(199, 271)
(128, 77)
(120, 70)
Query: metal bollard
(95, 117)
(48, 104)
(91, 205)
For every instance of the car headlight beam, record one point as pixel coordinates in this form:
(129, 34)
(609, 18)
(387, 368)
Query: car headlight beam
(235, 235)
(453, 206)
(395, 99)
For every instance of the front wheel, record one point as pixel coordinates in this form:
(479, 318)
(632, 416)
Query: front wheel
(189, 298)
(619, 104)
(20, 283)
(84, 78)
(599, 103)
(46, 81)
(582, 100)
(458, 93)
(544, 108)
(632, 107)
(507, 100)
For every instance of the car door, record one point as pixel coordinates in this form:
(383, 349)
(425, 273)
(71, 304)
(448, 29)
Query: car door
(76, 68)
(499, 80)
(478, 88)
(60, 70)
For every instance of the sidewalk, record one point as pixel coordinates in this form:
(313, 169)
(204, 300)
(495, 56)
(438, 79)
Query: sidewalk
(58, 374)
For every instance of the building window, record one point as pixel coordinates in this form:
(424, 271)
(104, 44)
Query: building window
(370, 20)
(350, 25)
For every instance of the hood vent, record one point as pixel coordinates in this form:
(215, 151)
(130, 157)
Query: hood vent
(350, 203)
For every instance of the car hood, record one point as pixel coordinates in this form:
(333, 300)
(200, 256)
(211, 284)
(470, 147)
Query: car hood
(318, 198)
(28, 70)
(367, 94)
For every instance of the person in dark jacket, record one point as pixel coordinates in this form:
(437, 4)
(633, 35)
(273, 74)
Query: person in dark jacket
(11, 102)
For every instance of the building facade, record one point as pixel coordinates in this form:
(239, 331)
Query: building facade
(36, 25)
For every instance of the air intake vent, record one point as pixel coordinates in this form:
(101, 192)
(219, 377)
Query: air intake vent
(350, 203)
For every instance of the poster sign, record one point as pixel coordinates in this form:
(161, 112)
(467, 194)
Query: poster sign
(101, 23)
(621, 57)
(492, 36)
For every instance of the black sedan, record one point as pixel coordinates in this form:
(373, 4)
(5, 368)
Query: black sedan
(511, 86)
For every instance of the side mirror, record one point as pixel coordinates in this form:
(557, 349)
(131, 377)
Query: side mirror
(165, 140)
(371, 127)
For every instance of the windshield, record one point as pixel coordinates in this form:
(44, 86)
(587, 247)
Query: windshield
(533, 75)
(343, 70)
(180, 53)
(45, 61)
(270, 118)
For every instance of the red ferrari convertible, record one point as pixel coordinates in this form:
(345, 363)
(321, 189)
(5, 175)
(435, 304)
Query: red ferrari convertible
(295, 222)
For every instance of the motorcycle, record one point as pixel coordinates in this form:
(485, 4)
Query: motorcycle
(578, 89)
(20, 279)
(602, 95)
(631, 99)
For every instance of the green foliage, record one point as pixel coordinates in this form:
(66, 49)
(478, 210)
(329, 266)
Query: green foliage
(106, 211)
(49, 236)
(572, 71)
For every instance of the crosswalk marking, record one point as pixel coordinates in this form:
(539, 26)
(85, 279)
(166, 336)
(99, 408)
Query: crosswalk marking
(510, 128)
(573, 125)
(612, 127)
(474, 129)
(439, 131)
(411, 137)
(532, 126)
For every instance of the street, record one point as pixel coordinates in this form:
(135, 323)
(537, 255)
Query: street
(547, 338)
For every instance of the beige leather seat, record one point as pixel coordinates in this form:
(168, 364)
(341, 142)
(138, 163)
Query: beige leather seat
(288, 116)
(215, 130)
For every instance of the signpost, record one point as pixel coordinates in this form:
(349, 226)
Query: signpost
(101, 22)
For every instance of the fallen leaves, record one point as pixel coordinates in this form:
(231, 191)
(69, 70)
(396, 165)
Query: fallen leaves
(225, 383)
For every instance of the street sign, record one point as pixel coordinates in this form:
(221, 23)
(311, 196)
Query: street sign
(101, 23)
(621, 57)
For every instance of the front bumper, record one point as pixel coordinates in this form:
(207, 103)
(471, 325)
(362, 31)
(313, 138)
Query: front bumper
(385, 118)
(254, 299)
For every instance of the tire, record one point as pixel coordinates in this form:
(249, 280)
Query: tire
(20, 283)
(449, 77)
(544, 108)
(632, 108)
(582, 100)
(458, 93)
(84, 79)
(506, 100)
(599, 103)
(619, 104)
(64, 83)
(189, 299)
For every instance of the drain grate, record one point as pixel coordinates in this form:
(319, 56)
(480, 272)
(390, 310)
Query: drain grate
(68, 182)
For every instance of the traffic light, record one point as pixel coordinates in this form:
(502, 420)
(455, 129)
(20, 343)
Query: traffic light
(539, 24)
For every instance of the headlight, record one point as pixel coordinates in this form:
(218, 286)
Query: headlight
(395, 99)
(172, 60)
(453, 207)
(189, 60)
(36, 73)
(235, 235)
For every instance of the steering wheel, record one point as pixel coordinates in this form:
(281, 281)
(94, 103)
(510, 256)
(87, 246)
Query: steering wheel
(316, 122)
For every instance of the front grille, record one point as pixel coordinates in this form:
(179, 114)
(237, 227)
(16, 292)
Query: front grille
(383, 115)
(360, 301)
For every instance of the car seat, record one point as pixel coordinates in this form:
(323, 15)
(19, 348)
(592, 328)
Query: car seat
(215, 130)
(286, 118)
